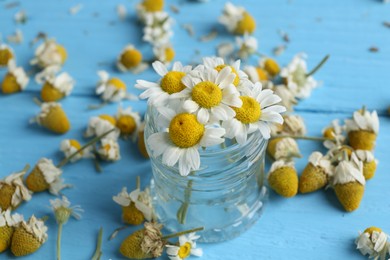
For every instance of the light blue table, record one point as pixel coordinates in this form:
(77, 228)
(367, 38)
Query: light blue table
(305, 227)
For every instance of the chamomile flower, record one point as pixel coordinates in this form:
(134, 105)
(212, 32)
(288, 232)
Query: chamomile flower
(179, 143)
(157, 30)
(52, 117)
(257, 112)
(8, 223)
(13, 191)
(296, 78)
(336, 132)
(237, 20)
(211, 95)
(283, 148)
(15, 80)
(99, 125)
(283, 178)
(46, 176)
(112, 89)
(49, 53)
(373, 242)
(270, 66)
(369, 163)
(128, 121)
(256, 74)
(186, 247)
(293, 125)
(247, 46)
(63, 211)
(130, 59)
(109, 150)
(164, 53)
(55, 87)
(170, 84)
(149, 6)
(6, 54)
(71, 146)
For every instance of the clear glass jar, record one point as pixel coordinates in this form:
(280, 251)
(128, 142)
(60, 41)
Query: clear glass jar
(225, 196)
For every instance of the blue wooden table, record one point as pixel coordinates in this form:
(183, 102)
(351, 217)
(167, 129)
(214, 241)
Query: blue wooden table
(310, 226)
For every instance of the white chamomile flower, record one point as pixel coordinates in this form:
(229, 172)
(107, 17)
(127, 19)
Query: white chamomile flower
(363, 121)
(149, 6)
(6, 54)
(157, 30)
(237, 20)
(128, 122)
(63, 210)
(112, 89)
(99, 125)
(247, 46)
(164, 53)
(109, 150)
(15, 80)
(373, 242)
(335, 132)
(186, 247)
(49, 53)
(211, 94)
(71, 146)
(62, 84)
(295, 75)
(348, 171)
(170, 84)
(130, 59)
(257, 112)
(181, 139)
(141, 200)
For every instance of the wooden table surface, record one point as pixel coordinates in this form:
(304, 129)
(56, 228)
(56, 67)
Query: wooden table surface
(310, 226)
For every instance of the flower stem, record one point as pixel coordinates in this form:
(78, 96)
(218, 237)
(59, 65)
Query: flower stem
(93, 107)
(182, 233)
(116, 231)
(59, 234)
(182, 212)
(94, 140)
(138, 183)
(37, 101)
(302, 137)
(98, 252)
(319, 65)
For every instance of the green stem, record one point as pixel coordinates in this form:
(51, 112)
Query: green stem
(59, 241)
(319, 65)
(182, 233)
(94, 140)
(363, 111)
(182, 212)
(93, 107)
(310, 138)
(116, 231)
(37, 101)
(98, 251)
(138, 183)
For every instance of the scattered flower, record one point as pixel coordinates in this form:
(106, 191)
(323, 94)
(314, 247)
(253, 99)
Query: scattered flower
(15, 80)
(99, 125)
(237, 20)
(128, 122)
(157, 30)
(8, 223)
(53, 118)
(164, 53)
(131, 60)
(70, 146)
(149, 6)
(283, 148)
(28, 237)
(293, 125)
(270, 66)
(6, 54)
(316, 174)
(49, 53)
(283, 178)
(109, 150)
(15, 38)
(374, 243)
(186, 247)
(369, 163)
(336, 132)
(63, 211)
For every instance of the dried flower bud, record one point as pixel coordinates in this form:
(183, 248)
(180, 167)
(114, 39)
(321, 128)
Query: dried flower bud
(283, 178)
(13, 191)
(8, 223)
(283, 148)
(373, 242)
(369, 163)
(53, 117)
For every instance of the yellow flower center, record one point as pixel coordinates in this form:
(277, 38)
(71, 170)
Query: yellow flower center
(117, 83)
(262, 74)
(107, 147)
(185, 131)
(169, 54)
(370, 230)
(272, 67)
(131, 58)
(153, 5)
(62, 51)
(10, 85)
(246, 25)
(184, 250)
(49, 93)
(250, 112)
(207, 94)
(108, 118)
(329, 133)
(236, 79)
(74, 143)
(171, 82)
(126, 124)
(5, 56)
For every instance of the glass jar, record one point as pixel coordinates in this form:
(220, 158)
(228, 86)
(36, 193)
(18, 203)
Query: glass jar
(225, 196)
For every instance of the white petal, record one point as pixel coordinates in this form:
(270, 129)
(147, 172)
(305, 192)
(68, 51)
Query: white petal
(160, 68)
(203, 115)
(190, 106)
(158, 143)
(212, 136)
(171, 155)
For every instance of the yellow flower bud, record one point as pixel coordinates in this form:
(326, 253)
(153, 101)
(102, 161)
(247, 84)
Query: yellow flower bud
(313, 178)
(153, 5)
(246, 25)
(49, 93)
(23, 242)
(10, 84)
(372, 229)
(272, 67)
(362, 140)
(284, 181)
(5, 55)
(131, 215)
(131, 58)
(56, 120)
(369, 169)
(6, 193)
(262, 74)
(131, 246)
(349, 194)
(6, 233)
(126, 124)
(35, 181)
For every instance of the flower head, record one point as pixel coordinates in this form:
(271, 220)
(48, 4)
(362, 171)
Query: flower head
(292, 125)
(283, 178)
(257, 112)
(369, 163)
(6, 54)
(128, 122)
(372, 242)
(164, 53)
(109, 150)
(336, 132)
(148, 7)
(112, 89)
(15, 80)
(157, 30)
(49, 53)
(283, 148)
(52, 117)
(63, 211)
(99, 125)
(54, 87)
(130, 59)
(237, 20)
(8, 223)
(70, 146)
(186, 247)
(170, 84)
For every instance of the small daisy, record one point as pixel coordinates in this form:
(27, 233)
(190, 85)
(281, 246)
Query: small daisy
(109, 150)
(237, 20)
(112, 89)
(160, 93)
(247, 46)
(15, 80)
(257, 112)
(270, 66)
(295, 76)
(128, 122)
(130, 59)
(164, 53)
(183, 137)
(49, 53)
(6, 54)
(336, 132)
(99, 125)
(186, 247)
(157, 30)
(373, 242)
(71, 146)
